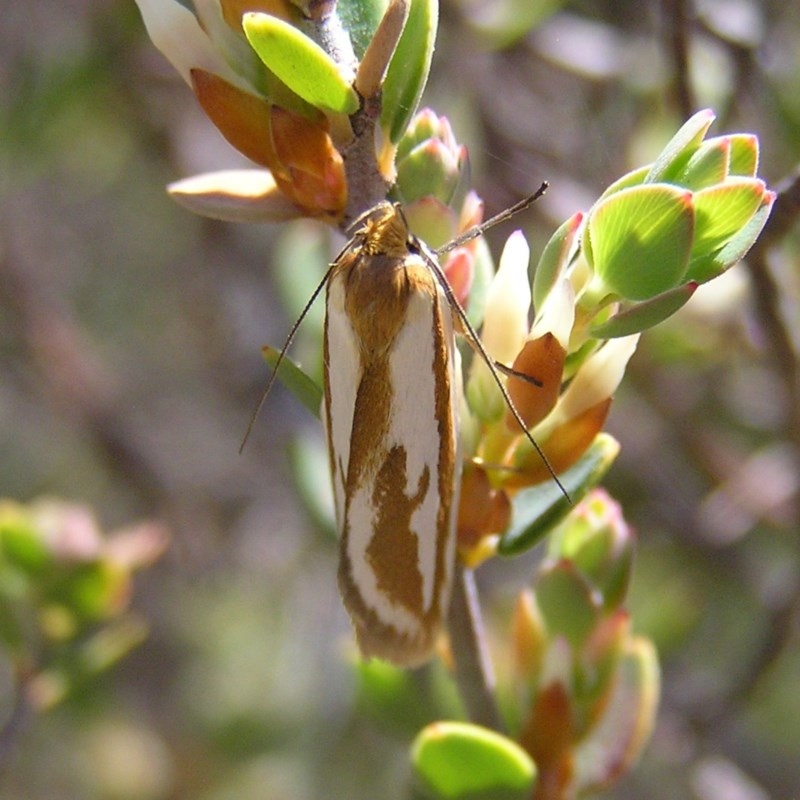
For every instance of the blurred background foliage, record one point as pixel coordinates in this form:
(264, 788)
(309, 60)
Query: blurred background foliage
(130, 335)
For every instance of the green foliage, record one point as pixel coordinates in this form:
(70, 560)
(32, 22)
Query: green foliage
(295, 380)
(540, 508)
(408, 70)
(64, 596)
(300, 63)
(460, 761)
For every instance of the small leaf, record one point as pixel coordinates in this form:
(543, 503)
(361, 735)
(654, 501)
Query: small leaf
(461, 760)
(92, 591)
(722, 210)
(408, 70)
(295, 380)
(568, 602)
(539, 508)
(641, 239)
(644, 315)
(20, 543)
(708, 165)
(744, 155)
(597, 540)
(236, 195)
(676, 154)
(626, 723)
(735, 249)
(634, 178)
(300, 63)
(360, 18)
(555, 258)
(374, 63)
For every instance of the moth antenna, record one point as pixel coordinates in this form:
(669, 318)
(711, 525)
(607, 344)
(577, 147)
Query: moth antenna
(282, 354)
(495, 368)
(478, 230)
(475, 342)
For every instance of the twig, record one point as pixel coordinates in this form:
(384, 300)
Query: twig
(12, 728)
(677, 25)
(473, 670)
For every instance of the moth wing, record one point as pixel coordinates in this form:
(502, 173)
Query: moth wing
(342, 377)
(401, 491)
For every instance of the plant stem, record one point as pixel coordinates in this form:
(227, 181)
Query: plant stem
(473, 669)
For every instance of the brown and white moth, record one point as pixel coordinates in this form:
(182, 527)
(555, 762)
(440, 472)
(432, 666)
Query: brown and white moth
(391, 417)
(391, 402)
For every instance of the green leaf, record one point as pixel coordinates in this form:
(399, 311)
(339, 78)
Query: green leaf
(555, 258)
(596, 539)
(674, 157)
(295, 380)
(634, 178)
(708, 165)
(300, 63)
(538, 509)
(704, 269)
(91, 591)
(568, 602)
(395, 698)
(428, 170)
(644, 315)
(22, 545)
(744, 155)
(360, 18)
(616, 740)
(723, 210)
(408, 70)
(461, 760)
(431, 220)
(641, 239)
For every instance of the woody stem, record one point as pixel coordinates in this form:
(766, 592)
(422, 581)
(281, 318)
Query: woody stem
(473, 669)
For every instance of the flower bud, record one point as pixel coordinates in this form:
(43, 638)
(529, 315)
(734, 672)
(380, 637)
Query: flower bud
(598, 541)
(429, 159)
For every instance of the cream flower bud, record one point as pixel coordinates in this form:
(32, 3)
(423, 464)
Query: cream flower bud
(505, 325)
(597, 379)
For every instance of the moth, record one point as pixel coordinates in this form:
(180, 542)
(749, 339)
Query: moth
(391, 418)
(392, 388)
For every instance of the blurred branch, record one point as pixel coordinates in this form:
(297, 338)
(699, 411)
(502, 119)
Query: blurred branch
(675, 15)
(473, 670)
(77, 383)
(779, 348)
(13, 727)
(767, 299)
(767, 296)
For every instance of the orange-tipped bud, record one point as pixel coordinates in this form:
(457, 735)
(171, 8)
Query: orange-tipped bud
(460, 270)
(242, 118)
(564, 445)
(317, 180)
(548, 737)
(483, 511)
(542, 359)
(528, 638)
(234, 10)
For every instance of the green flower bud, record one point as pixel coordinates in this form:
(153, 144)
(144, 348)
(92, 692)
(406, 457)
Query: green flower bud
(599, 543)
(429, 160)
